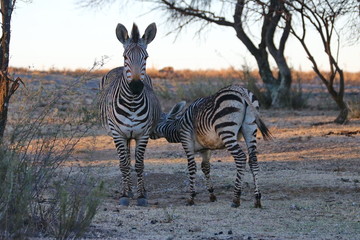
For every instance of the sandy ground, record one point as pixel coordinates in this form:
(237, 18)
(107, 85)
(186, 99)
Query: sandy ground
(310, 182)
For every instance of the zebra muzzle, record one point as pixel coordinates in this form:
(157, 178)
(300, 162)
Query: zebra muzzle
(136, 86)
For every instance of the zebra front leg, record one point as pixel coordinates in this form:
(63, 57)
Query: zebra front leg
(240, 162)
(188, 145)
(139, 168)
(205, 167)
(192, 176)
(123, 149)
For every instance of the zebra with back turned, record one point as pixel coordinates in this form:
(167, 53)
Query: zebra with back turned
(129, 107)
(216, 122)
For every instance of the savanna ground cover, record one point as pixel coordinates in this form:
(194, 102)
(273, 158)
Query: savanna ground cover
(310, 172)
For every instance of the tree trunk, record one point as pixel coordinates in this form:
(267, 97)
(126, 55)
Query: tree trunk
(339, 99)
(6, 11)
(259, 52)
(3, 105)
(266, 75)
(343, 116)
(281, 94)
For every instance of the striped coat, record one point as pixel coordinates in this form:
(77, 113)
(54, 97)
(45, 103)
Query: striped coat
(216, 122)
(129, 108)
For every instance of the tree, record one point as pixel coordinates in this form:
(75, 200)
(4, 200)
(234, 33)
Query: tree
(323, 16)
(184, 12)
(7, 85)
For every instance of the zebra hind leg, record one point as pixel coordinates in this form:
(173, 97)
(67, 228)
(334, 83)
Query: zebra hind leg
(205, 167)
(240, 161)
(249, 131)
(254, 168)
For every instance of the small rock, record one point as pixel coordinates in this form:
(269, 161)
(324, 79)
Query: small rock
(154, 221)
(345, 179)
(230, 232)
(295, 207)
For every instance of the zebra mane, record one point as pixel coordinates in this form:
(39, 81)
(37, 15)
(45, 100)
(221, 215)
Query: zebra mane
(135, 35)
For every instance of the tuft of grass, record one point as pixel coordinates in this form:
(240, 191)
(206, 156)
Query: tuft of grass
(169, 216)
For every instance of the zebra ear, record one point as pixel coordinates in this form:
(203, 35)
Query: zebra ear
(176, 110)
(121, 33)
(150, 33)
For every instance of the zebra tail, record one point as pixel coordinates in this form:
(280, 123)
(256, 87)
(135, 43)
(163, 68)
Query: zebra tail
(263, 129)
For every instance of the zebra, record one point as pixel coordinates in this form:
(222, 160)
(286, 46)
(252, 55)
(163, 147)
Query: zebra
(129, 107)
(216, 122)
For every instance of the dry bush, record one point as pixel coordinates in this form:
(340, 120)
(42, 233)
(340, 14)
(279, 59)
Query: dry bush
(354, 106)
(39, 139)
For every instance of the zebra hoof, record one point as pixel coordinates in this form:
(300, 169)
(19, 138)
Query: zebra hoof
(190, 202)
(124, 201)
(257, 203)
(142, 202)
(212, 198)
(235, 204)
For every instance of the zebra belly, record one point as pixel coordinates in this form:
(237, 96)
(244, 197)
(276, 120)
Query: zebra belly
(131, 128)
(208, 140)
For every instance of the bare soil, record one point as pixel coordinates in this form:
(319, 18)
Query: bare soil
(309, 178)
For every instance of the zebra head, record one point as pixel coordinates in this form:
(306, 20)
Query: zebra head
(166, 127)
(135, 54)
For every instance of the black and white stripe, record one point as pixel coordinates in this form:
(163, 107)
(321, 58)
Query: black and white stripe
(129, 107)
(217, 122)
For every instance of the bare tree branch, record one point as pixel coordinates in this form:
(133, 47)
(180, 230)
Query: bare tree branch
(194, 12)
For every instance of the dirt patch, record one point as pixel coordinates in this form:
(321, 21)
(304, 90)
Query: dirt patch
(310, 182)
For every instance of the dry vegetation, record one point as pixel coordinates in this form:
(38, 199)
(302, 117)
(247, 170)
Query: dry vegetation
(309, 174)
(352, 78)
(309, 178)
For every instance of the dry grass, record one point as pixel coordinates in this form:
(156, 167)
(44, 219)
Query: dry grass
(352, 78)
(309, 179)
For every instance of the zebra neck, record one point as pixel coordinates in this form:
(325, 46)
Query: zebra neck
(132, 89)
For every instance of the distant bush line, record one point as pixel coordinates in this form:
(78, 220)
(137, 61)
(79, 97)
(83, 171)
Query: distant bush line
(189, 75)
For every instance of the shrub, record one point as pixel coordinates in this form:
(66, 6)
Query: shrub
(76, 206)
(298, 100)
(40, 137)
(354, 106)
